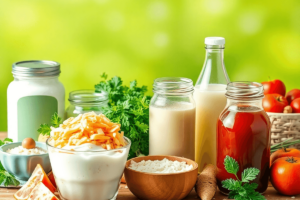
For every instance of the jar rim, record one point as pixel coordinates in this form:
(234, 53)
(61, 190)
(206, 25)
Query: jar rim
(173, 85)
(36, 68)
(87, 96)
(244, 90)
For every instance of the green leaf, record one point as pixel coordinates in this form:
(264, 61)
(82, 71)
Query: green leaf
(251, 186)
(6, 178)
(231, 165)
(104, 76)
(231, 184)
(55, 120)
(44, 129)
(249, 174)
(232, 194)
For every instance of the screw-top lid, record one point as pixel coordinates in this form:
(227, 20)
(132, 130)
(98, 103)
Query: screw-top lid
(36, 68)
(214, 41)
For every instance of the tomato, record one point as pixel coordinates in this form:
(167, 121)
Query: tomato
(296, 105)
(284, 153)
(285, 175)
(274, 103)
(274, 87)
(292, 94)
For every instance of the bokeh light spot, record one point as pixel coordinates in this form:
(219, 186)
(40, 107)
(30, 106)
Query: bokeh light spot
(251, 22)
(114, 21)
(161, 39)
(158, 10)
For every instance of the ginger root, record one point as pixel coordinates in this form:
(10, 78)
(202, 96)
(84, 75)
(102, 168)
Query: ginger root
(206, 185)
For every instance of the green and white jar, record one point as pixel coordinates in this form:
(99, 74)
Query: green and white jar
(33, 97)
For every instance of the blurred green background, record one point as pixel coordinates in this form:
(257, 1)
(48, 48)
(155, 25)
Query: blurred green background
(146, 39)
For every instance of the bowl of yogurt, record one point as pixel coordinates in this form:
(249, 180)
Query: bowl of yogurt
(88, 156)
(21, 161)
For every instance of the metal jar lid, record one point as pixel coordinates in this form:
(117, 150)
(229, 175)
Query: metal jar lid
(36, 68)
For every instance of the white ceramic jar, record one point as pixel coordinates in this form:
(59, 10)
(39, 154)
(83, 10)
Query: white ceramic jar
(33, 97)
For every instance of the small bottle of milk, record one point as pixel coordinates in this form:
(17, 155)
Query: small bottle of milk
(172, 118)
(210, 100)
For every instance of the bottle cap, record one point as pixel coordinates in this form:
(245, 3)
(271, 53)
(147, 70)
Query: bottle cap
(214, 41)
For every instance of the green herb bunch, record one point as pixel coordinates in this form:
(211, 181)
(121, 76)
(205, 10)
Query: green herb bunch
(241, 189)
(45, 129)
(7, 178)
(128, 106)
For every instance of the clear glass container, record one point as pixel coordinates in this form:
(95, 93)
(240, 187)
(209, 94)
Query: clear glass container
(88, 175)
(172, 118)
(83, 101)
(210, 100)
(243, 133)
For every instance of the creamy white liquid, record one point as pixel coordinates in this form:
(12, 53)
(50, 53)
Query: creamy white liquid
(88, 175)
(210, 102)
(172, 130)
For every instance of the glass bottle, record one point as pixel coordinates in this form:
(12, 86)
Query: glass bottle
(82, 101)
(210, 100)
(172, 118)
(243, 133)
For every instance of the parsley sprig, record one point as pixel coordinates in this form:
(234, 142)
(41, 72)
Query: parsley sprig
(241, 189)
(128, 106)
(7, 178)
(45, 129)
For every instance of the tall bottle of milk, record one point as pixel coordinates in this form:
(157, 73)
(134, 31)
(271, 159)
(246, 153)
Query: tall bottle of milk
(210, 100)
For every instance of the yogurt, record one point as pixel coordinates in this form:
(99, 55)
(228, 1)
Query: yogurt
(88, 171)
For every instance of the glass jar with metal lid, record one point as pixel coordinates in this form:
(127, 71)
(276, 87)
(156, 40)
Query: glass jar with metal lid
(82, 101)
(33, 97)
(172, 118)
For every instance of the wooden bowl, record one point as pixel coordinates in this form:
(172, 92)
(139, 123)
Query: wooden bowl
(154, 186)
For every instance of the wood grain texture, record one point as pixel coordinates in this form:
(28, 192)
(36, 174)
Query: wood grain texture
(173, 186)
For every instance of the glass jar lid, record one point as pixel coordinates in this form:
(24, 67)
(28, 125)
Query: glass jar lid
(173, 85)
(244, 90)
(87, 96)
(36, 68)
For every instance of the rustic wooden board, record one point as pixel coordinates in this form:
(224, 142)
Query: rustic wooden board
(125, 194)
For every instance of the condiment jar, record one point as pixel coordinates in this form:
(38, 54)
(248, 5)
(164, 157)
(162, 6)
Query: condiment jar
(82, 101)
(172, 118)
(33, 97)
(243, 133)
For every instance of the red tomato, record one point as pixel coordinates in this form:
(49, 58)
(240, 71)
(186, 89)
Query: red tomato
(274, 103)
(292, 94)
(274, 87)
(285, 175)
(284, 153)
(296, 105)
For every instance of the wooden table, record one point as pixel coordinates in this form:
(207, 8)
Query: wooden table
(125, 194)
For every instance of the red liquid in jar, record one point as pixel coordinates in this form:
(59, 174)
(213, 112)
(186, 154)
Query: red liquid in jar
(243, 133)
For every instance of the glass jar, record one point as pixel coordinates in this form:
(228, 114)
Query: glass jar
(82, 101)
(172, 118)
(243, 133)
(33, 97)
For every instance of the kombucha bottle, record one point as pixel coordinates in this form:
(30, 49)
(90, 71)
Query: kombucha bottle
(209, 96)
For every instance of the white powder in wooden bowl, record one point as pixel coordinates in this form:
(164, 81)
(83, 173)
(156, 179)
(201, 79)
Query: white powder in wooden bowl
(160, 166)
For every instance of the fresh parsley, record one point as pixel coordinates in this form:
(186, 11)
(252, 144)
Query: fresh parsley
(7, 178)
(241, 189)
(45, 129)
(128, 106)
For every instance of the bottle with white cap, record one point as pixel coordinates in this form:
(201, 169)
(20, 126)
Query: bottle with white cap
(210, 100)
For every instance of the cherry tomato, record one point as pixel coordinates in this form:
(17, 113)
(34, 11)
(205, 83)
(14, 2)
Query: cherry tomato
(285, 175)
(274, 87)
(296, 105)
(292, 94)
(284, 153)
(274, 103)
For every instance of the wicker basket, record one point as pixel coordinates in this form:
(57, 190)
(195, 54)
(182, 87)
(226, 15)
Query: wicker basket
(284, 126)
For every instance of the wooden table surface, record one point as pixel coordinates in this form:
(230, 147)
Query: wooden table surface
(125, 194)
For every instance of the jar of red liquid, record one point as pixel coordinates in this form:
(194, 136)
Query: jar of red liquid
(243, 133)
